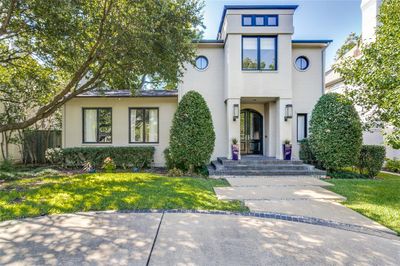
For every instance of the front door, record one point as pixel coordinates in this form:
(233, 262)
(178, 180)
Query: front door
(251, 132)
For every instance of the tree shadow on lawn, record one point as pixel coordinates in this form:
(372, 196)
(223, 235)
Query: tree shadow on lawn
(94, 192)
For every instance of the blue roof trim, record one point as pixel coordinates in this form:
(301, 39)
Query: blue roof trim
(226, 7)
(312, 41)
(208, 41)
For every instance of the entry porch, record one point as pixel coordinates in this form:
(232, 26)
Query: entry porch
(261, 125)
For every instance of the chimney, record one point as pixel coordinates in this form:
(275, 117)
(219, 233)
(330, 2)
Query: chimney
(369, 10)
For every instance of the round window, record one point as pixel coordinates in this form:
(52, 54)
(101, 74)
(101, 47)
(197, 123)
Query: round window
(201, 63)
(302, 63)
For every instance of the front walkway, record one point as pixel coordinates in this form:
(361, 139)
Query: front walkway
(164, 238)
(299, 196)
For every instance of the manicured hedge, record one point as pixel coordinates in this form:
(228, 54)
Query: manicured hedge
(124, 157)
(192, 135)
(392, 165)
(335, 132)
(371, 159)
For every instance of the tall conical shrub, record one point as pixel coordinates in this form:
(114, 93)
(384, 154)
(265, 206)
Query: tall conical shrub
(335, 132)
(192, 136)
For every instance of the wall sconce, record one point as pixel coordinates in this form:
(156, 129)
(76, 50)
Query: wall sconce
(235, 112)
(288, 111)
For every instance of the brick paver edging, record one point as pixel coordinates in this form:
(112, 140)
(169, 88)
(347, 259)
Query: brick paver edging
(284, 217)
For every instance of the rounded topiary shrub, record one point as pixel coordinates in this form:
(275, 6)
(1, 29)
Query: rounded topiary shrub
(371, 160)
(192, 135)
(335, 132)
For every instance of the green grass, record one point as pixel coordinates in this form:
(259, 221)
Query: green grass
(378, 199)
(34, 196)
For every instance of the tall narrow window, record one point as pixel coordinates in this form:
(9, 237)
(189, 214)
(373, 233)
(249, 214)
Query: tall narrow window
(259, 53)
(267, 54)
(143, 125)
(250, 53)
(301, 126)
(97, 125)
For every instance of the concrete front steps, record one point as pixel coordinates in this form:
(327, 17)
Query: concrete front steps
(261, 166)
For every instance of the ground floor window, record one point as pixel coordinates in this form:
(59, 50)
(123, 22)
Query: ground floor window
(143, 125)
(301, 126)
(97, 125)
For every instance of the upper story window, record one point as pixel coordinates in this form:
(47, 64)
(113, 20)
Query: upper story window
(201, 62)
(97, 125)
(302, 63)
(259, 53)
(260, 20)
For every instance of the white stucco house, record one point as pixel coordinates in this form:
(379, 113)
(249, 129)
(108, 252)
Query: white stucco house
(334, 83)
(260, 85)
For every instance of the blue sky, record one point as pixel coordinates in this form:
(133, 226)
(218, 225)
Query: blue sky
(314, 19)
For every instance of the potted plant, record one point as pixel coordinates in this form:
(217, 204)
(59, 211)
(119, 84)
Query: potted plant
(235, 149)
(287, 150)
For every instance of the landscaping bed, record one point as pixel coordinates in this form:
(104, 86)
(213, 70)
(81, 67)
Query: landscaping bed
(42, 195)
(378, 199)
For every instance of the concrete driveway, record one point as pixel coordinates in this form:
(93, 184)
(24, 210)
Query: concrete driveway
(112, 238)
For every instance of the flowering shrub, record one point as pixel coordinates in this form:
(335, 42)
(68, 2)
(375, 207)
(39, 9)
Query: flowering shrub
(108, 165)
(54, 156)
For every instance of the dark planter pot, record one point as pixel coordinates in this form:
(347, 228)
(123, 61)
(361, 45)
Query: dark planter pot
(235, 152)
(287, 152)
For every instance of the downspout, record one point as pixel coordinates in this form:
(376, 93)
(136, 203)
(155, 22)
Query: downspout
(323, 69)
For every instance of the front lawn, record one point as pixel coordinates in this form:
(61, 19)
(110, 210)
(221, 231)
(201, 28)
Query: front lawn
(36, 196)
(377, 199)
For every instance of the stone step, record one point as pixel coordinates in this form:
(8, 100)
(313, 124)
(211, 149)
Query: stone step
(265, 167)
(218, 166)
(225, 161)
(224, 172)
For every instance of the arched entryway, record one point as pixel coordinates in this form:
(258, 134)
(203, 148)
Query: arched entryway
(251, 132)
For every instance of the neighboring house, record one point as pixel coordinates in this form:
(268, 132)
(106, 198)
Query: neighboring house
(334, 83)
(259, 83)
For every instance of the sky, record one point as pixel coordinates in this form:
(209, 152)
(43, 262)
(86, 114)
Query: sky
(313, 19)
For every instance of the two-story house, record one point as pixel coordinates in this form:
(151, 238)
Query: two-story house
(259, 83)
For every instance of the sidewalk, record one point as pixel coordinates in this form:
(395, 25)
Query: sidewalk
(302, 196)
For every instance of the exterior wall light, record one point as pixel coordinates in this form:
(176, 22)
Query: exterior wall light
(288, 111)
(235, 112)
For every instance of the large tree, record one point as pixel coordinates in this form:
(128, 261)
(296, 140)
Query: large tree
(373, 79)
(51, 51)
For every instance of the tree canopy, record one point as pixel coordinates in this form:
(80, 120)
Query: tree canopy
(51, 51)
(351, 41)
(374, 78)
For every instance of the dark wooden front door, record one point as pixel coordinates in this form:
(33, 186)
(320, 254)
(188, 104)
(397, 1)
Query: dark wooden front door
(251, 132)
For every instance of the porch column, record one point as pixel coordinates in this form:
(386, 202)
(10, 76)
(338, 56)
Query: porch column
(284, 128)
(232, 126)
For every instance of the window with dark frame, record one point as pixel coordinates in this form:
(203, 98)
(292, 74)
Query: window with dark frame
(301, 126)
(97, 125)
(259, 53)
(260, 20)
(143, 125)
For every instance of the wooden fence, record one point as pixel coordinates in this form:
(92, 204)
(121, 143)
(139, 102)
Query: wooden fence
(37, 142)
